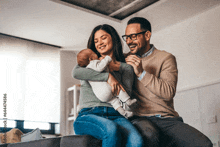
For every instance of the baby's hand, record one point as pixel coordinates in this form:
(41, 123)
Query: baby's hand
(100, 58)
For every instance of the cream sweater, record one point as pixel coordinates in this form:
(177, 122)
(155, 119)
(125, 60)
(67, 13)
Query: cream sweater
(157, 88)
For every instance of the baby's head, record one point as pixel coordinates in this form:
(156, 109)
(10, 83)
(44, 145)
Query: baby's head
(85, 56)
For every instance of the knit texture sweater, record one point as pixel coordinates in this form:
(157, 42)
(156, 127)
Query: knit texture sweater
(156, 90)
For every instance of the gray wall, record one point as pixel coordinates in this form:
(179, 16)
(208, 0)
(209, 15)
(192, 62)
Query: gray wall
(199, 108)
(67, 63)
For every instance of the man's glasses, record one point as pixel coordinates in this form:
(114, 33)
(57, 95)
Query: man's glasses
(133, 37)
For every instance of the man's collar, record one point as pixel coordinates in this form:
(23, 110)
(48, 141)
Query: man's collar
(148, 52)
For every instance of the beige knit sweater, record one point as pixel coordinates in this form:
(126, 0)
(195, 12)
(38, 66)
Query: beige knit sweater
(155, 92)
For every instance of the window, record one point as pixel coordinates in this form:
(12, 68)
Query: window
(30, 76)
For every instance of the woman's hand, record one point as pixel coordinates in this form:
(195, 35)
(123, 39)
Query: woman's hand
(116, 86)
(114, 66)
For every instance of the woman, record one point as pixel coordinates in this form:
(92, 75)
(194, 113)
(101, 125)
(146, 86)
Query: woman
(97, 118)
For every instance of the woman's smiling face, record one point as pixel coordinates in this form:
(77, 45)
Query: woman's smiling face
(103, 43)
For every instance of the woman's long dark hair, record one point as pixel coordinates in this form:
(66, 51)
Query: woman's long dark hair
(116, 41)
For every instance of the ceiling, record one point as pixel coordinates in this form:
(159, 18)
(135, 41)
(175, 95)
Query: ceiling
(113, 8)
(62, 24)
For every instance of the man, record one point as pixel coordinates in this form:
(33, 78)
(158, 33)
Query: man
(155, 88)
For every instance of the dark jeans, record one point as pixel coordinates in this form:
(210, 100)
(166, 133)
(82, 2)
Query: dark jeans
(169, 132)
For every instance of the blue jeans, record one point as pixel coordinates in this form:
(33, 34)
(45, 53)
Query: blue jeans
(106, 124)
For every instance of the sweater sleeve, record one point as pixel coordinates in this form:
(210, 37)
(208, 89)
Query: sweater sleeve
(127, 77)
(82, 73)
(164, 86)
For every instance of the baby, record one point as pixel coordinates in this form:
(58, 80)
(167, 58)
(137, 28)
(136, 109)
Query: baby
(87, 58)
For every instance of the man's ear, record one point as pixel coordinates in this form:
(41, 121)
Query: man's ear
(147, 35)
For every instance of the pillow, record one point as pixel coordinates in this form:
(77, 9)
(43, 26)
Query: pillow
(33, 135)
(13, 136)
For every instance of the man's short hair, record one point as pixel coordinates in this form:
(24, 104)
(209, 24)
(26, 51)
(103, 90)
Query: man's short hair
(144, 23)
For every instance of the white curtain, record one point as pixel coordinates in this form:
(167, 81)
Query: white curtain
(30, 76)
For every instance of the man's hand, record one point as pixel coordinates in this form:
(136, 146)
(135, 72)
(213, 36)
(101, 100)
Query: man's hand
(116, 86)
(136, 62)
